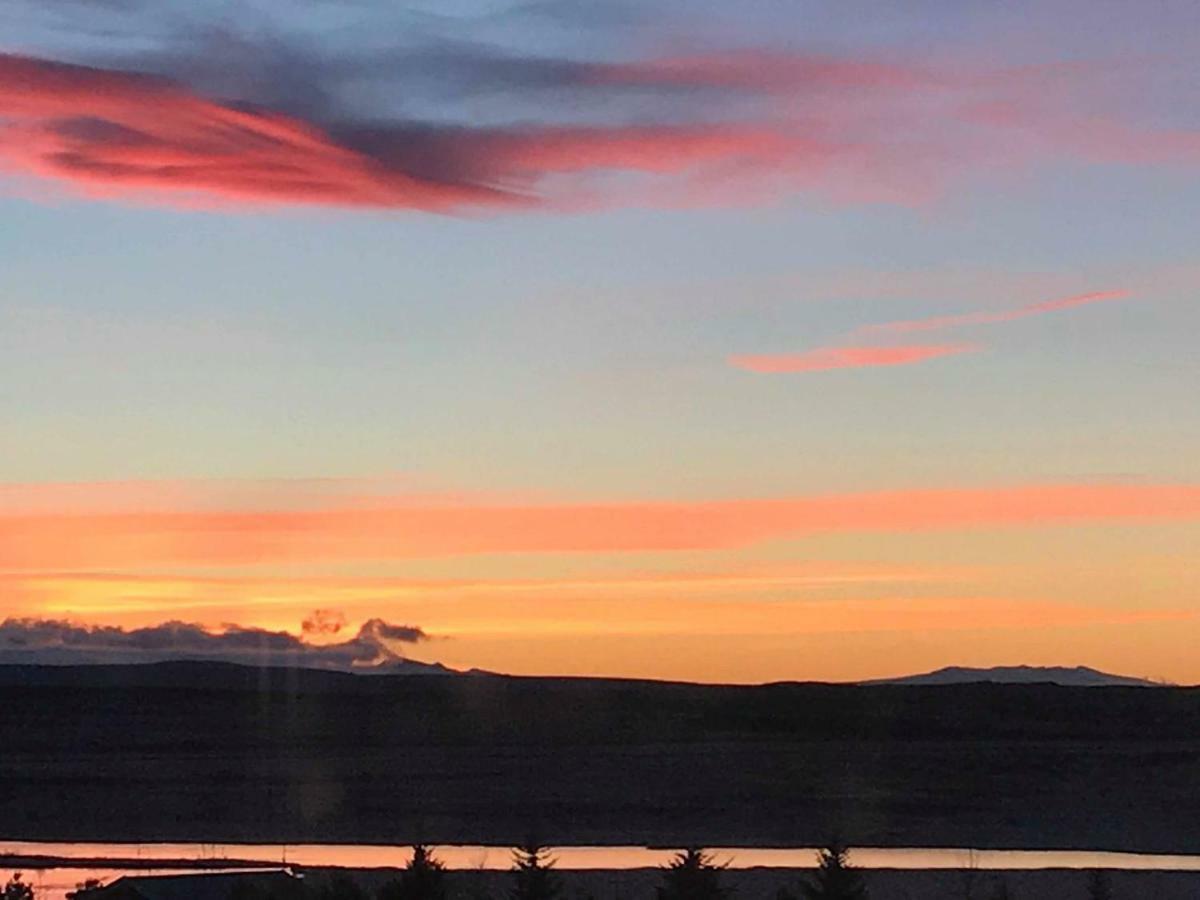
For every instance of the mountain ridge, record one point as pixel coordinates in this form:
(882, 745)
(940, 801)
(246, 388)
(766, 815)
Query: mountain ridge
(1065, 676)
(202, 672)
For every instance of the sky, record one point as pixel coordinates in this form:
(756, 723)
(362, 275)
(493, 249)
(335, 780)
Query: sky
(705, 341)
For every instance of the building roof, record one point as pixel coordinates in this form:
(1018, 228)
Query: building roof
(204, 886)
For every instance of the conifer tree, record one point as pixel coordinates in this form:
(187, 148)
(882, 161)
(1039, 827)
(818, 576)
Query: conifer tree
(533, 875)
(424, 878)
(692, 875)
(835, 878)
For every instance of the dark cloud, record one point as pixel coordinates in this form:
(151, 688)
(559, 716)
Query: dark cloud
(409, 634)
(57, 642)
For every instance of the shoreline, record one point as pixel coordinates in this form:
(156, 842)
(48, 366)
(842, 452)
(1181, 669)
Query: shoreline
(463, 858)
(744, 884)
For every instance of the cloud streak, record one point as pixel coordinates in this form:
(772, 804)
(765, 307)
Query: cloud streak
(58, 542)
(939, 323)
(277, 600)
(826, 358)
(60, 642)
(867, 356)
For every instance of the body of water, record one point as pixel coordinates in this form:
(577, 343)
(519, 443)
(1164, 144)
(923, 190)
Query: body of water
(104, 862)
(145, 857)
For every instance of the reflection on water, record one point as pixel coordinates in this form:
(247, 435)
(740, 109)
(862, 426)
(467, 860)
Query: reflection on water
(53, 883)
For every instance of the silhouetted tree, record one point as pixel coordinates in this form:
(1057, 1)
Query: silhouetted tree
(83, 888)
(1099, 887)
(17, 889)
(692, 875)
(835, 878)
(533, 878)
(424, 878)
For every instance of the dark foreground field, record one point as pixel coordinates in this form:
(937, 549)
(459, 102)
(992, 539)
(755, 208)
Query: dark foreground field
(758, 883)
(883, 884)
(217, 753)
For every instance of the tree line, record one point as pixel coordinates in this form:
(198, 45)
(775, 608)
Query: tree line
(692, 874)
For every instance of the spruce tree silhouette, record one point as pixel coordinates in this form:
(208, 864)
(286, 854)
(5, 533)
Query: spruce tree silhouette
(835, 878)
(17, 889)
(533, 878)
(424, 878)
(692, 875)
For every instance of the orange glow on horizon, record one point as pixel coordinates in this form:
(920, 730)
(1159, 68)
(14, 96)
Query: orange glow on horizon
(626, 584)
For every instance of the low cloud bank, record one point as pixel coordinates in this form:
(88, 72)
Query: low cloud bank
(376, 647)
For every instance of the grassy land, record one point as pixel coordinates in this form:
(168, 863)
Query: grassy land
(218, 754)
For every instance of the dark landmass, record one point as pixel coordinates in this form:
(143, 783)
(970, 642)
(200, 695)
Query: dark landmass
(226, 754)
(764, 883)
(1075, 676)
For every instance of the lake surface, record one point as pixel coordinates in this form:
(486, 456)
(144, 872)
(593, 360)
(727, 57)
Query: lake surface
(53, 881)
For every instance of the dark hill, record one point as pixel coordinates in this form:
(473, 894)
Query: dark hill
(188, 751)
(1074, 676)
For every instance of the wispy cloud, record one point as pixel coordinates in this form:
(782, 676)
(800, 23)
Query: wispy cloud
(56, 542)
(868, 356)
(826, 358)
(939, 323)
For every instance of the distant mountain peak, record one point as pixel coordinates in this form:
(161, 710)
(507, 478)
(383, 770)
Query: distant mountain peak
(1070, 676)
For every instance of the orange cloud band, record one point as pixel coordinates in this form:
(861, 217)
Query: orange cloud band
(61, 542)
(274, 600)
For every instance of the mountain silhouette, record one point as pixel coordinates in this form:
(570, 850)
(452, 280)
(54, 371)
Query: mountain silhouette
(1073, 676)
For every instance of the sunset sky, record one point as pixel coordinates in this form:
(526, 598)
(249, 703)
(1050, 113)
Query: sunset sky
(712, 341)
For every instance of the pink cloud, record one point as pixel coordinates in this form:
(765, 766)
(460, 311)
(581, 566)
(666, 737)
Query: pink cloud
(937, 323)
(769, 124)
(855, 357)
(107, 131)
(826, 358)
